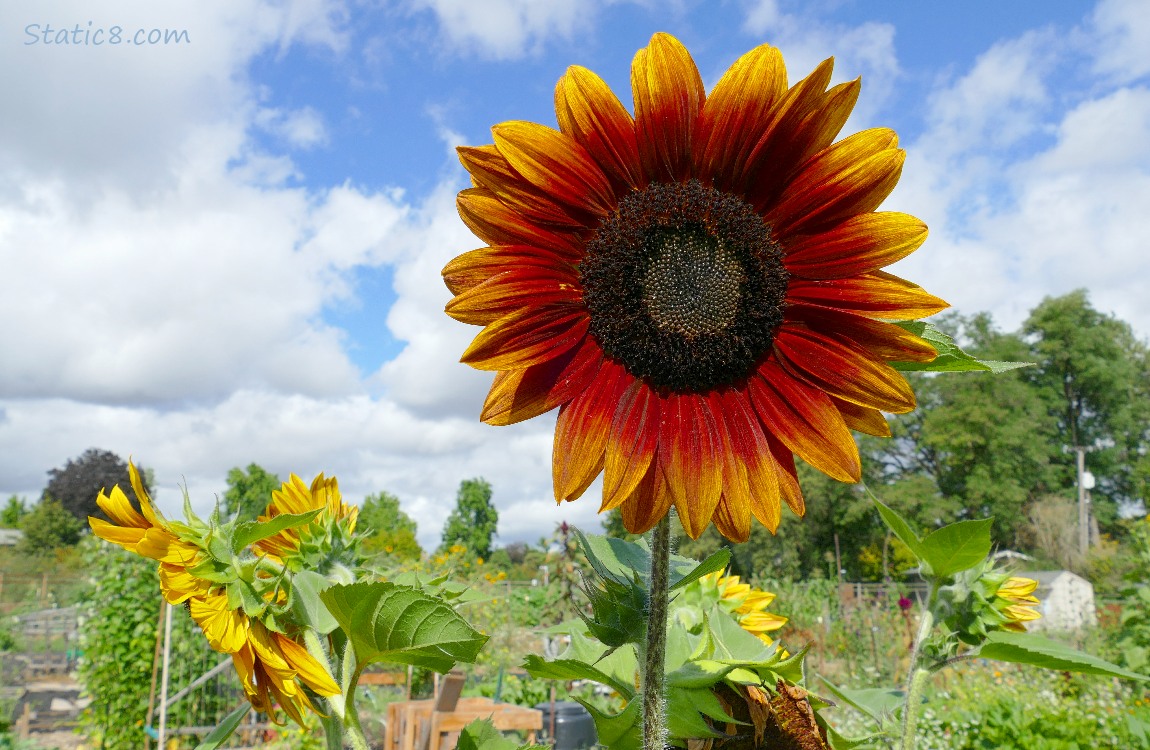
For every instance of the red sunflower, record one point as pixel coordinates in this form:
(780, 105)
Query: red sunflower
(697, 288)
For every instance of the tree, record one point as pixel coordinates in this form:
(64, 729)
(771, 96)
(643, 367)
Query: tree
(1095, 376)
(249, 492)
(389, 530)
(474, 520)
(77, 484)
(15, 510)
(48, 527)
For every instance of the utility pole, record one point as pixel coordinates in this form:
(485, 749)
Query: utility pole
(1085, 484)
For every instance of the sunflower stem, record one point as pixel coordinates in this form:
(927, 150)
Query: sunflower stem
(917, 676)
(654, 655)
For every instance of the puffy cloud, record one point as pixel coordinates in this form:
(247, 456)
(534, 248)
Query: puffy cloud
(505, 29)
(1122, 28)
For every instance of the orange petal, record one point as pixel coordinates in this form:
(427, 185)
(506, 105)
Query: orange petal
(497, 224)
(476, 266)
(880, 294)
(788, 476)
(754, 452)
(518, 395)
(514, 291)
(803, 418)
(490, 169)
(862, 419)
(735, 114)
(732, 516)
(842, 369)
(668, 95)
(851, 177)
(779, 150)
(631, 445)
(884, 340)
(527, 338)
(581, 432)
(689, 456)
(648, 504)
(555, 164)
(862, 243)
(589, 112)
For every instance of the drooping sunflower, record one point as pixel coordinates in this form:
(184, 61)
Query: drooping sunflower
(747, 604)
(145, 532)
(698, 288)
(1016, 602)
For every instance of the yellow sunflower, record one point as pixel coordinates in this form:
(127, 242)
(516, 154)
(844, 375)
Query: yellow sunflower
(271, 666)
(296, 497)
(698, 288)
(1015, 600)
(144, 532)
(746, 604)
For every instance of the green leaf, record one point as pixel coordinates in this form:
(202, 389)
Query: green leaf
(621, 731)
(250, 532)
(878, 703)
(957, 546)
(481, 734)
(950, 358)
(225, 728)
(716, 562)
(387, 622)
(700, 673)
(684, 720)
(307, 585)
(628, 563)
(1024, 648)
(573, 669)
(900, 527)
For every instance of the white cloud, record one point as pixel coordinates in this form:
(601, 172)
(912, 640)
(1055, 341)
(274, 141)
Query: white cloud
(1123, 31)
(506, 29)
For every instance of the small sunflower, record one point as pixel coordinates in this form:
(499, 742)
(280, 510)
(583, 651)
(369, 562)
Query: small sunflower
(697, 288)
(1015, 601)
(145, 532)
(335, 518)
(746, 604)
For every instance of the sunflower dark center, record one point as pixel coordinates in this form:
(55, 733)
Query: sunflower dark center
(684, 286)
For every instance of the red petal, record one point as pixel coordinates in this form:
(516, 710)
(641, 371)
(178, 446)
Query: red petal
(555, 164)
(476, 266)
(668, 95)
(861, 419)
(803, 418)
(884, 340)
(735, 114)
(788, 477)
(860, 244)
(843, 370)
(490, 169)
(581, 432)
(518, 395)
(851, 177)
(880, 294)
(589, 112)
(631, 446)
(753, 450)
(689, 457)
(527, 338)
(512, 291)
(648, 504)
(497, 224)
(732, 516)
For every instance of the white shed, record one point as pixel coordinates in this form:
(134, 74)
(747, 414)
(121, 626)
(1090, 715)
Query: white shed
(1066, 600)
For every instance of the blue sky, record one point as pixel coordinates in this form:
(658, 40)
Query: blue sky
(227, 250)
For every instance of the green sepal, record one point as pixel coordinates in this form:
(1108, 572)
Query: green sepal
(1025, 648)
(716, 562)
(225, 728)
(618, 612)
(249, 532)
(397, 624)
(950, 357)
